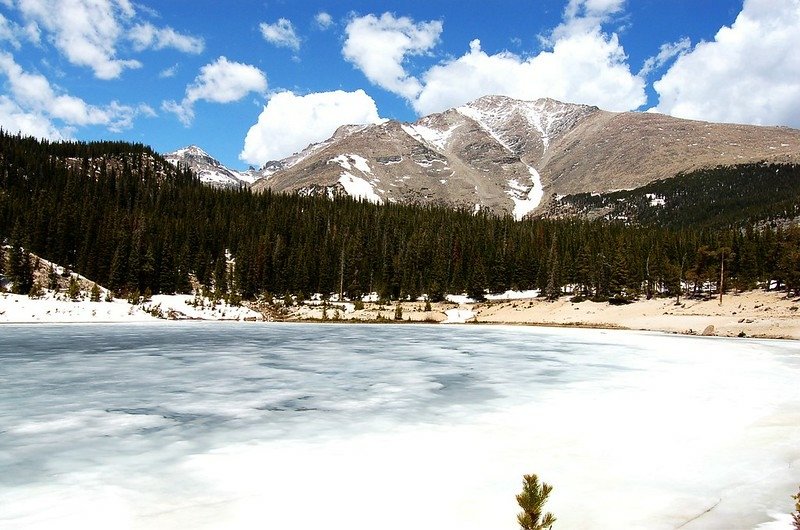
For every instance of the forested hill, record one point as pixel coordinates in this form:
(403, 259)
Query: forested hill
(725, 196)
(122, 216)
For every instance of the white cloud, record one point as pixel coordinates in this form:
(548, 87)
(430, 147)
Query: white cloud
(379, 46)
(87, 32)
(281, 33)
(749, 73)
(581, 63)
(324, 20)
(14, 118)
(584, 16)
(289, 122)
(222, 81)
(13, 33)
(146, 36)
(666, 53)
(33, 94)
(168, 72)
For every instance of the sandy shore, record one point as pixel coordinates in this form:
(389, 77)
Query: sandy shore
(753, 313)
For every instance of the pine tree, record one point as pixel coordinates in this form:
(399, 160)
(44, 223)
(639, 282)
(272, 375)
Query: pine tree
(74, 289)
(36, 291)
(52, 278)
(553, 289)
(532, 500)
(20, 269)
(95, 293)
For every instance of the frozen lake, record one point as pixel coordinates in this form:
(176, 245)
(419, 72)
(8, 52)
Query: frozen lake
(214, 425)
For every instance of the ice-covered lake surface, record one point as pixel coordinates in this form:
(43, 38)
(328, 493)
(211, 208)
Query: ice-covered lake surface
(215, 425)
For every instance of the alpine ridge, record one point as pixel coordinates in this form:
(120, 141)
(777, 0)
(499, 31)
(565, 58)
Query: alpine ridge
(517, 157)
(210, 170)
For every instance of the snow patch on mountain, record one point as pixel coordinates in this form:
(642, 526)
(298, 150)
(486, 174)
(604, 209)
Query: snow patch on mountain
(355, 186)
(359, 188)
(348, 162)
(436, 138)
(525, 198)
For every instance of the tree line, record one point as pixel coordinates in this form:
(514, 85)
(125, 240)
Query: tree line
(121, 215)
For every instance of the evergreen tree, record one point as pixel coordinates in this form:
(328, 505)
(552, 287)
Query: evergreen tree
(553, 289)
(95, 293)
(36, 290)
(20, 269)
(52, 278)
(531, 501)
(74, 289)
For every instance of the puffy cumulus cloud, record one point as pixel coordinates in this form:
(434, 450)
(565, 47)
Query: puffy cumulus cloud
(34, 95)
(281, 33)
(147, 36)
(289, 122)
(580, 63)
(750, 73)
(585, 68)
(222, 81)
(14, 118)
(84, 31)
(324, 20)
(378, 47)
(88, 32)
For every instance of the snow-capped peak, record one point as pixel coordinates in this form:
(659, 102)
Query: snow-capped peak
(500, 115)
(210, 170)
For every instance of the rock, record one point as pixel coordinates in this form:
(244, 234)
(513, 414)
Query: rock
(709, 331)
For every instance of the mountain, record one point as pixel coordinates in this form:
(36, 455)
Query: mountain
(210, 170)
(506, 155)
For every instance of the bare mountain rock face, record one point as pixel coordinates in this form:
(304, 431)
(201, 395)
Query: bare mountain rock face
(506, 155)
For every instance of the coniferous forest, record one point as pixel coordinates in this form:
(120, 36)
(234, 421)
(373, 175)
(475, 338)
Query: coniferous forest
(121, 215)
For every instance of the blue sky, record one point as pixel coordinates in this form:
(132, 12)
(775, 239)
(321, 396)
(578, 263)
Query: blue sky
(251, 81)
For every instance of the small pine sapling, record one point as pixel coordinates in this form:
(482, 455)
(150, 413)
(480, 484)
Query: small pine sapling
(796, 514)
(531, 500)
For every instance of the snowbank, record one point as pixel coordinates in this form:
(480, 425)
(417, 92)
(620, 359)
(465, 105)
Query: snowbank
(51, 309)
(458, 316)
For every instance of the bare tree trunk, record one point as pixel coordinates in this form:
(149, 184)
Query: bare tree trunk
(721, 275)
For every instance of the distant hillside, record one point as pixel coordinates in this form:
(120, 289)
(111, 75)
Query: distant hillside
(127, 219)
(505, 155)
(742, 195)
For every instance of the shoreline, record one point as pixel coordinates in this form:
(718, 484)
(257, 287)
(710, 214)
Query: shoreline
(750, 314)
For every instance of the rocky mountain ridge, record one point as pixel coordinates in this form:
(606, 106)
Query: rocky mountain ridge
(210, 170)
(511, 156)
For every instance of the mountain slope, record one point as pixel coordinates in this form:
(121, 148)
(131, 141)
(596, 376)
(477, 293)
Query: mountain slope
(210, 170)
(506, 155)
